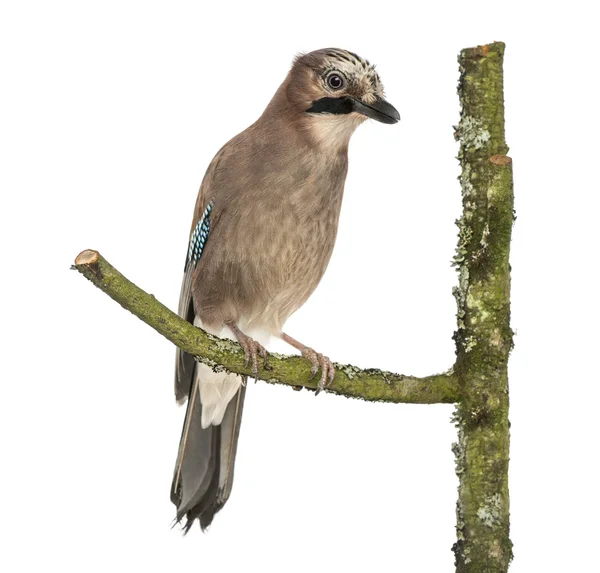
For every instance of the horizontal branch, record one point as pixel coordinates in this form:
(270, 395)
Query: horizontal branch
(368, 384)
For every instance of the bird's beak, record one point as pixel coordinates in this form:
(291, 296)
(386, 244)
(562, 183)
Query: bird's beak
(381, 110)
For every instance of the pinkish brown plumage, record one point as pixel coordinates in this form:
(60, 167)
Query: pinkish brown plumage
(263, 232)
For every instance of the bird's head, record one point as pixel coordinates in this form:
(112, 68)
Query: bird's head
(336, 90)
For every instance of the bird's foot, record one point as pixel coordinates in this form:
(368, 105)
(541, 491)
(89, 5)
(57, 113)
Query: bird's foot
(252, 349)
(317, 361)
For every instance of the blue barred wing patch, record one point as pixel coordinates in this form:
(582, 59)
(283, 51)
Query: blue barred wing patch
(199, 236)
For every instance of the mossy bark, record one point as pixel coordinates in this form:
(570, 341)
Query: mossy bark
(484, 336)
(369, 384)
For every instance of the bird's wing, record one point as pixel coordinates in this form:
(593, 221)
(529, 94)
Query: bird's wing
(204, 469)
(201, 223)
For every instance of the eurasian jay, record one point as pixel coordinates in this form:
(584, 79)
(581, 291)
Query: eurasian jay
(262, 235)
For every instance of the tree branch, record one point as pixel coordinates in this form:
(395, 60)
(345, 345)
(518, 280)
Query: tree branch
(484, 336)
(368, 384)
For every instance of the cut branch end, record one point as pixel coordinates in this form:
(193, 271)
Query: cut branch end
(87, 257)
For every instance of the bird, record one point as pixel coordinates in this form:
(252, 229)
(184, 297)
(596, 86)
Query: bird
(263, 231)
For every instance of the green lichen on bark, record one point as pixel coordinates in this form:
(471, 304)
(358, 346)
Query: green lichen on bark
(484, 336)
(350, 381)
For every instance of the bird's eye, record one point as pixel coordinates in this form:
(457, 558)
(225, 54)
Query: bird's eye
(335, 81)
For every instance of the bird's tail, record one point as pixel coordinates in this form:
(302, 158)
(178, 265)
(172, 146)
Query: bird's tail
(204, 470)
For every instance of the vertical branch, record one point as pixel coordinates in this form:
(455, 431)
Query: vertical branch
(484, 336)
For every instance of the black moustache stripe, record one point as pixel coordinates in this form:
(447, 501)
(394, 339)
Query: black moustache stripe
(335, 105)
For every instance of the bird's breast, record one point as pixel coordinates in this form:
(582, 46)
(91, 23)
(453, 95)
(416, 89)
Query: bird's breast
(273, 239)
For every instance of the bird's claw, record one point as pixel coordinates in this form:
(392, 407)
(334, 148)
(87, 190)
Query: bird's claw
(252, 350)
(319, 361)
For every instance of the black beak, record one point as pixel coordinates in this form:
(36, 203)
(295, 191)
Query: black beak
(381, 110)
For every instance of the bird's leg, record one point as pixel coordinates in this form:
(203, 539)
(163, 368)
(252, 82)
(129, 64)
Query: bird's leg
(251, 348)
(316, 359)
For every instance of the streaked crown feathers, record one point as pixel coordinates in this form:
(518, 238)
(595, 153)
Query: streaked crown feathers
(359, 73)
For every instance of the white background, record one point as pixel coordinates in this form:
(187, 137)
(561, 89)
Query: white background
(111, 112)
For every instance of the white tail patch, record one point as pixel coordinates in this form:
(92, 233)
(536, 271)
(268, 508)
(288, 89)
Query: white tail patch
(216, 391)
